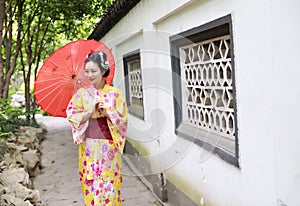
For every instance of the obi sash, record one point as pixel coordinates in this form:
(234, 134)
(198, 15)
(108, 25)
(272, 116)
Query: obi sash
(98, 129)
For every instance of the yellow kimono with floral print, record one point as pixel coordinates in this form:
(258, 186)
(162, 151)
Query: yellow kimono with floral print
(99, 159)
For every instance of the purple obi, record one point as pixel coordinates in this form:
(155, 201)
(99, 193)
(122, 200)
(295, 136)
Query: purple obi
(98, 129)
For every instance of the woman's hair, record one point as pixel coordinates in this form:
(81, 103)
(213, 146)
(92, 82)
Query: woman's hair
(100, 59)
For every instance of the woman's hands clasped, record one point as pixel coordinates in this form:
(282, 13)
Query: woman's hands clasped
(100, 107)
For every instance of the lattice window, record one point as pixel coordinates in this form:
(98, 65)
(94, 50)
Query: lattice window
(134, 86)
(204, 88)
(208, 87)
(135, 82)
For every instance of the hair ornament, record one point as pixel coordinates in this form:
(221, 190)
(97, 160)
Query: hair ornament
(104, 64)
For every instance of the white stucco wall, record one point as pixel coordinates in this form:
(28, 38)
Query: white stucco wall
(266, 46)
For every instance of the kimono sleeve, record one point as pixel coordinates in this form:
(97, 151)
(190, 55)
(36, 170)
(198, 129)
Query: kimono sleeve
(75, 112)
(119, 120)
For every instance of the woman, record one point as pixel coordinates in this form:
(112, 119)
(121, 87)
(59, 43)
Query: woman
(98, 116)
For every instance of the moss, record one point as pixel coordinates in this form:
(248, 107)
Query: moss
(139, 147)
(175, 179)
(185, 187)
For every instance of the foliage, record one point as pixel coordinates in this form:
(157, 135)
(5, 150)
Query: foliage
(10, 120)
(30, 30)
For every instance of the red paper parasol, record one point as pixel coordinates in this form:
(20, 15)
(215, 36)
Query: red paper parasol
(62, 74)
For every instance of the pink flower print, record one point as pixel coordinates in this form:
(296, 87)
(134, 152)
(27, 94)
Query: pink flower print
(107, 201)
(110, 94)
(107, 188)
(118, 122)
(116, 174)
(120, 114)
(97, 192)
(111, 154)
(104, 148)
(88, 182)
(87, 192)
(88, 152)
(92, 202)
(98, 171)
(84, 163)
(92, 189)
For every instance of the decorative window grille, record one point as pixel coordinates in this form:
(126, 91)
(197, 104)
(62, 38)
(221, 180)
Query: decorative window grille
(208, 89)
(204, 87)
(134, 86)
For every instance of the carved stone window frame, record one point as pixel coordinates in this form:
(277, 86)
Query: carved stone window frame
(136, 109)
(224, 147)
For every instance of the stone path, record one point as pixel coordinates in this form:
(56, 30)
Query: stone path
(59, 182)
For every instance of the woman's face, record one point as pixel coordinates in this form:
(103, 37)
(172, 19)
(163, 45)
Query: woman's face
(93, 73)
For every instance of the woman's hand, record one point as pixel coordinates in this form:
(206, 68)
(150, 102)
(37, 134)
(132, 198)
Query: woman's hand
(87, 115)
(101, 108)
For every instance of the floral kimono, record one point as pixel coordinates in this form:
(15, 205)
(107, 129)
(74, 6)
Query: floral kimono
(99, 159)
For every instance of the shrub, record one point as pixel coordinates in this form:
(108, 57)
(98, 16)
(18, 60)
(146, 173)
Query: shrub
(10, 120)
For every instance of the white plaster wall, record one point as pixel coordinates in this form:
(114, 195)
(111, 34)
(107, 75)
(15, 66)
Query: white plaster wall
(266, 46)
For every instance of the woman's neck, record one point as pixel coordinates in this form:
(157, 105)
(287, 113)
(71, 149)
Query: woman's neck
(100, 85)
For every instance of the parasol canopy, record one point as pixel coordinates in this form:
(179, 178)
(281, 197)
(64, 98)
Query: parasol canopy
(62, 74)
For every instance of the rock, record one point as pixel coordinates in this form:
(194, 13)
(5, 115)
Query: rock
(2, 166)
(30, 142)
(23, 160)
(44, 128)
(15, 175)
(11, 200)
(35, 197)
(21, 192)
(13, 146)
(32, 131)
(32, 158)
(35, 171)
(15, 160)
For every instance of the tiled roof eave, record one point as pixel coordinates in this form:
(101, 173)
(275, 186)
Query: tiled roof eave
(113, 15)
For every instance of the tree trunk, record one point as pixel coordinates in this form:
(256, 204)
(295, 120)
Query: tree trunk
(2, 10)
(7, 68)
